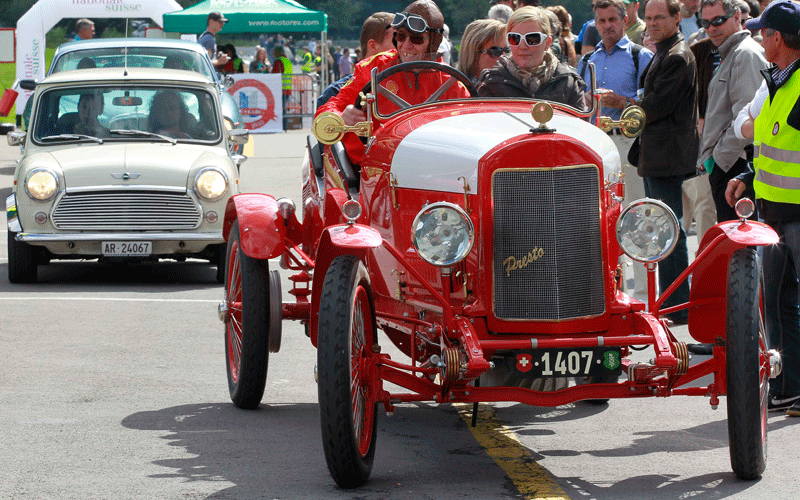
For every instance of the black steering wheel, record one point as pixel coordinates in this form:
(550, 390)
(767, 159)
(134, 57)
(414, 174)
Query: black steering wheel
(455, 75)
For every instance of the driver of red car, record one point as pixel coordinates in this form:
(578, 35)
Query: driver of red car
(417, 35)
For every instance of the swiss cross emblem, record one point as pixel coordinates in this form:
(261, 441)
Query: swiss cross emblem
(524, 362)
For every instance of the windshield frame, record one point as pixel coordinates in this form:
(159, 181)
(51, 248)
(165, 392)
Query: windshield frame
(57, 66)
(210, 121)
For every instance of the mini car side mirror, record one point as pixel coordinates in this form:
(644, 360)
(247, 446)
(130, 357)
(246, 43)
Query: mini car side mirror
(16, 138)
(228, 81)
(239, 136)
(27, 84)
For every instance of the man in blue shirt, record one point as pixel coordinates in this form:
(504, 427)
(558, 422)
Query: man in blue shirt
(619, 64)
(214, 24)
(84, 29)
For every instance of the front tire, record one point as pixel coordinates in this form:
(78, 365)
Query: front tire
(747, 367)
(22, 265)
(344, 349)
(246, 324)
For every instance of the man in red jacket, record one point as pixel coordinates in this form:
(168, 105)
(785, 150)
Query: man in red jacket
(417, 35)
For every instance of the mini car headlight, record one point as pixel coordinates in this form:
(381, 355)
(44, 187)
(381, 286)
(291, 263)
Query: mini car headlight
(647, 230)
(443, 234)
(211, 183)
(41, 184)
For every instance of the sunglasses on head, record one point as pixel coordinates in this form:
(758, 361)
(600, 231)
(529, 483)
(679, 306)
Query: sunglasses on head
(495, 51)
(415, 23)
(717, 21)
(400, 37)
(532, 39)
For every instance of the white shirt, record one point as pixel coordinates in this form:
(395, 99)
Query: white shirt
(751, 109)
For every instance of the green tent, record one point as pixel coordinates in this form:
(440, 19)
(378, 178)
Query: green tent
(249, 16)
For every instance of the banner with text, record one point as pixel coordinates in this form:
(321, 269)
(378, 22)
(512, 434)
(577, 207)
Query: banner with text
(259, 99)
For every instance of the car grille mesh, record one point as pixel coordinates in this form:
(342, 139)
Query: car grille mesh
(127, 210)
(547, 222)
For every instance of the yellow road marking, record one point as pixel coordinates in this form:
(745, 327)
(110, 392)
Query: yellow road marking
(532, 480)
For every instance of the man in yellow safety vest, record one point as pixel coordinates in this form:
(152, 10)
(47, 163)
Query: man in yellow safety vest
(772, 119)
(284, 66)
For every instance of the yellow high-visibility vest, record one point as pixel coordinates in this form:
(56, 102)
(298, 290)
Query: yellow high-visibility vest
(286, 78)
(777, 147)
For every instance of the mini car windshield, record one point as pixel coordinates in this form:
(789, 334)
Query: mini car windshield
(133, 57)
(78, 114)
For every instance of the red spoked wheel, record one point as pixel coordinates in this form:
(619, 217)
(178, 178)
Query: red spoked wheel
(747, 367)
(344, 354)
(245, 312)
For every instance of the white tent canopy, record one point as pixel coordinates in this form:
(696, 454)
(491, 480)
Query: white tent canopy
(32, 28)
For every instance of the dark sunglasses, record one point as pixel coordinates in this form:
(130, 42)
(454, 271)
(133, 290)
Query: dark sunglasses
(717, 21)
(495, 51)
(532, 39)
(400, 37)
(414, 23)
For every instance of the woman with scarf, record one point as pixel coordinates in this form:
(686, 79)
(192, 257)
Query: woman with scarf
(531, 70)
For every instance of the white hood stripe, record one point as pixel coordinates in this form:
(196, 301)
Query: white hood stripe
(435, 155)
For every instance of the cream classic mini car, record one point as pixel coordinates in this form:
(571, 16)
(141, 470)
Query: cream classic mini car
(121, 164)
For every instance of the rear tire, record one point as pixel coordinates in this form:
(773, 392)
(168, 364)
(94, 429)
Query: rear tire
(246, 324)
(22, 264)
(347, 403)
(747, 367)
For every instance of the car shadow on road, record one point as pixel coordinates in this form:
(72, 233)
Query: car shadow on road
(276, 452)
(658, 486)
(650, 443)
(196, 274)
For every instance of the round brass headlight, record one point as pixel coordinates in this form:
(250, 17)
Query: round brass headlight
(41, 184)
(211, 183)
(647, 230)
(443, 234)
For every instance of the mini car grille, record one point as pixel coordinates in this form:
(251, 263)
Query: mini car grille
(548, 259)
(127, 210)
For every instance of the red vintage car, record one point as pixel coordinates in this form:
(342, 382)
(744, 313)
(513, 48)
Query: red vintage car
(484, 237)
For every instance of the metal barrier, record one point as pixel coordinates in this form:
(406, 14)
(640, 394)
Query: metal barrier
(302, 102)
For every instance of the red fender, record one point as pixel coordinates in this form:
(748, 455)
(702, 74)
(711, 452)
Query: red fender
(352, 239)
(709, 279)
(262, 229)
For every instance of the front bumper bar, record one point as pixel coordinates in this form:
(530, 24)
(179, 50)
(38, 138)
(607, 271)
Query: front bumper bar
(45, 238)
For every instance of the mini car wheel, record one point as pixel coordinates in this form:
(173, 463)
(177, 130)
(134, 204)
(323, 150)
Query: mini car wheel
(246, 324)
(344, 348)
(608, 379)
(221, 259)
(22, 263)
(747, 367)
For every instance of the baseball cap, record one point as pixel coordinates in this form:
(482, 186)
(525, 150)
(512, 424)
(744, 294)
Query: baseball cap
(216, 16)
(781, 15)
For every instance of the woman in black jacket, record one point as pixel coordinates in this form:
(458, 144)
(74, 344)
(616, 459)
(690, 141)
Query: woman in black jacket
(531, 70)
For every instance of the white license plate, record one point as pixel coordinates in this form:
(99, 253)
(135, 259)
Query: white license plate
(127, 248)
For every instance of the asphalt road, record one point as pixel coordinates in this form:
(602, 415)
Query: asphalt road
(112, 386)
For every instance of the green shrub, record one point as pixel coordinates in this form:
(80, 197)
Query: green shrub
(56, 36)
